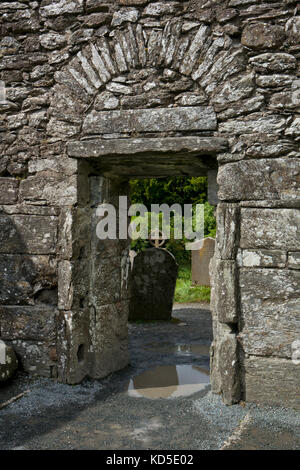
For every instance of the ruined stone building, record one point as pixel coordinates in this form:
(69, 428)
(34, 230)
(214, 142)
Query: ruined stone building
(99, 91)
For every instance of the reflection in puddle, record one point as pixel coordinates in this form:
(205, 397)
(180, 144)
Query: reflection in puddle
(169, 382)
(180, 349)
(192, 349)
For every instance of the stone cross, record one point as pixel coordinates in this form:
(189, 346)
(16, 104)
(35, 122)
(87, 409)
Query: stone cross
(157, 238)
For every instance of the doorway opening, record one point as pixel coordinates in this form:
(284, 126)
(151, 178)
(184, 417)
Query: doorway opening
(171, 356)
(106, 166)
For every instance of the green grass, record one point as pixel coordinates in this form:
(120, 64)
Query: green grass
(185, 293)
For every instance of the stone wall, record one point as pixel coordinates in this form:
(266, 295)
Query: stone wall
(65, 64)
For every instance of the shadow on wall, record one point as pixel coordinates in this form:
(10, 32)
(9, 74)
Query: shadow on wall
(28, 295)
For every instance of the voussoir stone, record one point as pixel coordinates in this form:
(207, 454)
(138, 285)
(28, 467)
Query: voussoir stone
(8, 362)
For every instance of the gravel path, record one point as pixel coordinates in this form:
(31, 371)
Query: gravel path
(102, 415)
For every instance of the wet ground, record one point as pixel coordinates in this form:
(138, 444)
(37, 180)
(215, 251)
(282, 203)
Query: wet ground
(161, 401)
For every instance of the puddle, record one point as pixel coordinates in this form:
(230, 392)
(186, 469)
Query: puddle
(169, 382)
(192, 349)
(180, 349)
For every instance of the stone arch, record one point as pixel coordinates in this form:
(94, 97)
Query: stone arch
(182, 63)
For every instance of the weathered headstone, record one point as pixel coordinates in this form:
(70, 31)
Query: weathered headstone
(8, 361)
(153, 284)
(202, 252)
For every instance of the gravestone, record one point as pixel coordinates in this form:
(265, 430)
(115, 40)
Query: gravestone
(202, 252)
(153, 285)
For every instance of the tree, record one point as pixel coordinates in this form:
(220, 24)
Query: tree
(179, 190)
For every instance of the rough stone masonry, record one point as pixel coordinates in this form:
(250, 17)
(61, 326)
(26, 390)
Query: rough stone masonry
(98, 91)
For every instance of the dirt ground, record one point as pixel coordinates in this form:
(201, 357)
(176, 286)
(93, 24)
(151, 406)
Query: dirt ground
(157, 402)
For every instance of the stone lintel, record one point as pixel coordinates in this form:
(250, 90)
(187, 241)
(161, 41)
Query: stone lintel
(153, 157)
(159, 146)
(197, 118)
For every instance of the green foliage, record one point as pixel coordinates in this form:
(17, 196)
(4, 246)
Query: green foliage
(177, 190)
(210, 227)
(180, 190)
